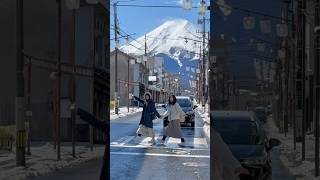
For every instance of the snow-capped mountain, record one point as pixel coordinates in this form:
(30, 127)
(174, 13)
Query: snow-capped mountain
(169, 38)
(177, 41)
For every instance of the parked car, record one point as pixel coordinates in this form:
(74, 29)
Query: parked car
(247, 140)
(188, 107)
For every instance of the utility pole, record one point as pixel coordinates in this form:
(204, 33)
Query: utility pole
(29, 112)
(128, 98)
(200, 78)
(58, 81)
(293, 75)
(73, 84)
(145, 48)
(317, 84)
(304, 119)
(203, 59)
(116, 58)
(20, 97)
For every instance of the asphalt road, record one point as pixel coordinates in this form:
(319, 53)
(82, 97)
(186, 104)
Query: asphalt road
(133, 158)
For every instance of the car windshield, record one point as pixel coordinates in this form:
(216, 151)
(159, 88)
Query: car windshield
(184, 102)
(235, 131)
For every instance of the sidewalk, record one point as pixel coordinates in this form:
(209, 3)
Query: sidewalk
(303, 170)
(43, 160)
(123, 111)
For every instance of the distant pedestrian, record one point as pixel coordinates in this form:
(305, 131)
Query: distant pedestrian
(175, 115)
(149, 113)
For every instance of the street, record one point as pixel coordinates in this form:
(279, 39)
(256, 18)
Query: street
(132, 158)
(135, 159)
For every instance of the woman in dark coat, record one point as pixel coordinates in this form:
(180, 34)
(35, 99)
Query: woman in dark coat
(149, 113)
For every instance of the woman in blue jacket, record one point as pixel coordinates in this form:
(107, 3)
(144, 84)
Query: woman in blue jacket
(149, 113)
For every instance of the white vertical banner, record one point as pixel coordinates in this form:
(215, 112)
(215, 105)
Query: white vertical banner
(139, 59)
(145, 58)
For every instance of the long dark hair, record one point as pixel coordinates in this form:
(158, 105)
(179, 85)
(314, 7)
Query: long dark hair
(174, 100)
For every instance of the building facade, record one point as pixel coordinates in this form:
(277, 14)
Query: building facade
(41, 47)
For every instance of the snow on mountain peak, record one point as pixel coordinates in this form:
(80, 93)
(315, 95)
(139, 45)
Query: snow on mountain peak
(169, 38)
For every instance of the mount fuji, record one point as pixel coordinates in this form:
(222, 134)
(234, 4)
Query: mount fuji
(177, 42)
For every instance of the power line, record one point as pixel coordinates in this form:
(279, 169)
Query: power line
(220, 5)
(150, 6)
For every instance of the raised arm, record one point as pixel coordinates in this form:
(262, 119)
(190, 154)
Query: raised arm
(138, 99)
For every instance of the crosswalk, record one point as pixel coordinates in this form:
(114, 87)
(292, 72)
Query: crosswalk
(171, 143)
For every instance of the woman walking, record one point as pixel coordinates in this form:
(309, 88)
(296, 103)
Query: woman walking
(175, 115)
(149, 113)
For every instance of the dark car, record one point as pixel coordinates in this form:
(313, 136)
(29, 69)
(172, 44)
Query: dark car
(187, 106)
(246, 138)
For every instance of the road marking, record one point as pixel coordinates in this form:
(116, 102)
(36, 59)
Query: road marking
(158, 154)
(126, 141)
(158, 147)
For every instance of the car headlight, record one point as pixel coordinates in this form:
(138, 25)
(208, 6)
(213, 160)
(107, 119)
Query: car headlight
(254, 161)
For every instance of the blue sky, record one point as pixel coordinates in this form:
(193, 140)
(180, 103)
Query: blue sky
(140, 20)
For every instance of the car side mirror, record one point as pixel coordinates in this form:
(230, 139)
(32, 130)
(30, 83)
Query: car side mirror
(195, 106)
(273, 143)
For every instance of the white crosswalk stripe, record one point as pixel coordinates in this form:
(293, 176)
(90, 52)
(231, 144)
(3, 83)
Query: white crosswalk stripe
(142, 142)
